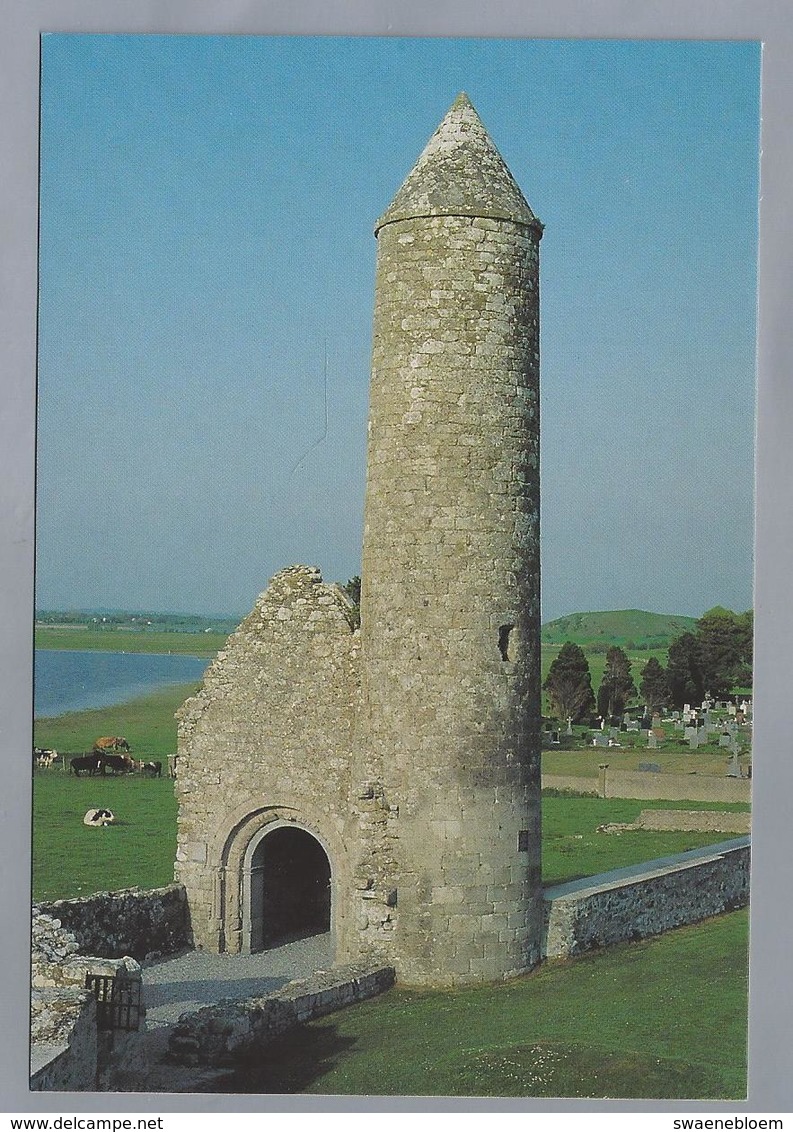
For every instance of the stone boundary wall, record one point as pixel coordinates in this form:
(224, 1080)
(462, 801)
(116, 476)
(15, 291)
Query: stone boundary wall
(643, 784)
(141, 924)
(226, 1033)
(647, 899)
(65, 1051)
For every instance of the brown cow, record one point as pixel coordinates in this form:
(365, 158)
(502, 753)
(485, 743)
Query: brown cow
(110, 743)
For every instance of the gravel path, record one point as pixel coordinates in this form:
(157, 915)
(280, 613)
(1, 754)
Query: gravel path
(198, 978)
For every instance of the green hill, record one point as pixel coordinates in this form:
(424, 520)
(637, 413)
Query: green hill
(624, 627)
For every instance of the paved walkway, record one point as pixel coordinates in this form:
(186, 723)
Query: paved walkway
(198, 978)
(187, 982)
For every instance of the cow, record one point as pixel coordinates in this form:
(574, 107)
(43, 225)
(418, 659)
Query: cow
(118, 764)
(96, 818)
(91, 763)
(110, 743)
(43, 757)
(152, 769)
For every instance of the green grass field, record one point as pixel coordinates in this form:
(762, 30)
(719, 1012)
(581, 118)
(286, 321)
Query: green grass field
(662, 1018)
(572, 847)
(123, 640)
(137, 851)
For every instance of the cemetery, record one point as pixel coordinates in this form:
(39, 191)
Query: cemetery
(697, 745)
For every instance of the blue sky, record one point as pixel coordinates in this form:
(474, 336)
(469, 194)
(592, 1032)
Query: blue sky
(207, 207)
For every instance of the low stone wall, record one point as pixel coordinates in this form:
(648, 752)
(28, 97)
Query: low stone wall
(647, 899)
(648, 785)
(697, 821)
(141, 924)
(65, 1049)
(228, 1032)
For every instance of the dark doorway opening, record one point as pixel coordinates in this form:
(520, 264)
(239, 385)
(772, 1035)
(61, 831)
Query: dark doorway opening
(290, 888)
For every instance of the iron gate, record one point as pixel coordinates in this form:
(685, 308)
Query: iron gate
(117, 1001)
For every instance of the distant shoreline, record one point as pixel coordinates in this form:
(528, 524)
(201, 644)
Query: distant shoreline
(162, 642)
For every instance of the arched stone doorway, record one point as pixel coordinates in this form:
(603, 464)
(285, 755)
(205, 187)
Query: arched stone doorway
(288, 889)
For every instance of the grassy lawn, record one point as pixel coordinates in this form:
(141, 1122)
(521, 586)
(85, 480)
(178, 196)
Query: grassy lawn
(71, 860)
(572, 847)
(709, 760)
(138, 850)
(663, 1018)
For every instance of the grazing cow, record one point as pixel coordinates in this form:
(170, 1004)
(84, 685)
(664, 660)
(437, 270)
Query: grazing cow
(99, 818)
(110, 743)
(44, 758)
(91, 763)
(118, 764)
(152, 769)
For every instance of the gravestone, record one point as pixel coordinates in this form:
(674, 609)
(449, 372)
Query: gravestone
(600, 741)
(652, 741)
(653, 767)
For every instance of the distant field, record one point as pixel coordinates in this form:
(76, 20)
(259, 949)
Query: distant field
(586, 760)
(623, 627)
(125, 640)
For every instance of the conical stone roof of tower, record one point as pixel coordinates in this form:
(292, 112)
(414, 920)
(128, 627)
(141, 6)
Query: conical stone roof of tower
(460, 173)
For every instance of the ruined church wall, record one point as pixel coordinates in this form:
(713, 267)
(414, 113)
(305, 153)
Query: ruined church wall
(268, 739)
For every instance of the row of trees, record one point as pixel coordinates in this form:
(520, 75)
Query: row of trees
(716, 658)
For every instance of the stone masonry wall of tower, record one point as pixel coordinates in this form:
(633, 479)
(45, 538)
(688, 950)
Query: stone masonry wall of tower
(450, 602)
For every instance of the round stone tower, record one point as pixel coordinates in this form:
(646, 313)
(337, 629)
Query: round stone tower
(451, 575)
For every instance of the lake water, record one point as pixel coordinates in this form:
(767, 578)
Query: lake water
(66, 680)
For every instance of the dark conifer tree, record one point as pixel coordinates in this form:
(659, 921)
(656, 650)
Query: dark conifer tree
(654, 685)
(617, 686)
(684, 671)
(569, 684)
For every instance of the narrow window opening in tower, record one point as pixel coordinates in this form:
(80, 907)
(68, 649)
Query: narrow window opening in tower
(504, 641)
